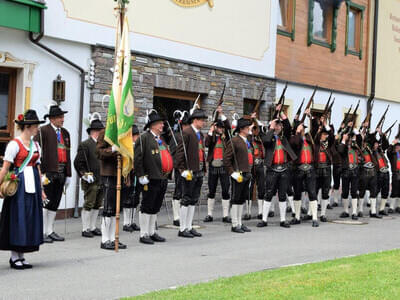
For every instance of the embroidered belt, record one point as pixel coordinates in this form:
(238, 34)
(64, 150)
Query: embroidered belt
(279, 168)
(384, 170)
(305, 167)
(369, 165)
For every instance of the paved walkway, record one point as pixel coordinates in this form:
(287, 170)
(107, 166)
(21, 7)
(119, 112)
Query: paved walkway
(79, 269)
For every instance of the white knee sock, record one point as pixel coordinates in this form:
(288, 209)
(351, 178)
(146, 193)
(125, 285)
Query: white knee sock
(324, 204)
(297, 208)
(225, 208)
(392, 203)
(234, 215)
(291, 203)
(152, 224)
(105, 229)
(45, 221)
(239, 214)
(210, 206)
(51, 216)
(260, 203)
(144, 221)
(282, 210)
(248, 206)
(274, 200)
(361, 205)
(133, 215)
(336, 196)
(127, 216)
(112, 228)
(266, 207)
(354, 205)
(183, 217)
(313, 205)
(93, 218)
(346, 205)
(319, 197)
(373, 205)
(85, 219)
(383, 204)
(175, 209)
(190, 216)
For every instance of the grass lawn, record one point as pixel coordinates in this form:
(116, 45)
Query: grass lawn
(371, 276)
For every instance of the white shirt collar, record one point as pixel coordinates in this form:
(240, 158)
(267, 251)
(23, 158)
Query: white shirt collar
(243, 138)
(195, 129)
(54, 127)
(155, 135)
(95, 140)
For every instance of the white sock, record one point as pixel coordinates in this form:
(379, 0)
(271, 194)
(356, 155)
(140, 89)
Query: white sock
(127, 216)
(45, 221)
(210, 206)
(266, 208)
(361, 205)
(144, 221)
(183, 217)
(85, 219)
(297, 208)
(383, 204)
(260, 203)
(175, 209)
(291, 203)
(105, 229)
(367, 194)
(336, 196)
(234, 215)
(112, 228)
(93, 218)
(248, 207)
(346, 205)
(225, 208)
(313, 205)
(239, 214)
(319, 197)
(152, 224)
(133, 215)
(51, 216)
(392, 203)
(324, 204)
(354, 205)
(282, 210)
(14, 257)
(373, 205)
(274, 200)
(189, 219)
(21, 256)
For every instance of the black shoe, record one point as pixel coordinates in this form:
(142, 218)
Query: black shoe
(176, 223)
(226, 220)
(127, 228)
(329, 206)
(344, 215)
(368, 205)
(26, 265)
(208, 218)
(237, 229)
(87, 233)
(323, 219)
(319, 207)
(376, 216)
(107, 245)
(271, 214)
(246, 217)
(284, 224)
(360, 214)
(56, 238)
(13, 264)
(46, 239)
(383, 213)
(295, 221)
(155, 237)
(293, 215)
(288, 209)
(195, 233)
(245, 228)
(262, 224)
(335, 204)
(120, 245)
(390, 211)
(96, 232)
(303, 210)
(136, 228)
(387, 204)
(259, 216)
(315, 224)
(354, 217)
(307, 218)
(397, 210)
(185, 234)
(146, 240)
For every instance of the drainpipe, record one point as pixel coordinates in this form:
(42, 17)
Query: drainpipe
(36, 41)
(374, 53)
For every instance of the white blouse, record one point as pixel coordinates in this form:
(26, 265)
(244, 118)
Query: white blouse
(12, 150)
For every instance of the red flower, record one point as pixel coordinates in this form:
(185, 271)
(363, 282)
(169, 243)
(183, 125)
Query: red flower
(13, 177)
(20, 117)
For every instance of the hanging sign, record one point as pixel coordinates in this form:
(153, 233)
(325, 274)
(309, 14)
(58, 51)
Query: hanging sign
(193, 3)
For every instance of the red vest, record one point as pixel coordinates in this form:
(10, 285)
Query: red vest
(322, 158)
(381, 161)
(305, 154)
(353, 159)
(258, 150)
(23, 153)
(367, 157)
(218, 149)
(398, 161)
(249, 154)
(167, 163)
(279, 153)
(201, 151)
(62, 150)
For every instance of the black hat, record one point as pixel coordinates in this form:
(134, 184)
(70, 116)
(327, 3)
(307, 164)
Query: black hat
(242, 123)
(152, 117)
(135, 129)
(219, 124)
(198, 113)
(54, 111)
(28, 118)
(95, 125)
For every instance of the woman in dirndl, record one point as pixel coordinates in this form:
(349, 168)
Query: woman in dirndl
(21, 223)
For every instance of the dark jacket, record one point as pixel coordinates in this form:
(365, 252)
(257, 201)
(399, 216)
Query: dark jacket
(86, 159)
(343, 150)
(108, 159)
(192, 150)
(47, 138)
(330, 150)
(241, 154)
(383, 146)
(269, 145)
(392, 155)
(147, 157)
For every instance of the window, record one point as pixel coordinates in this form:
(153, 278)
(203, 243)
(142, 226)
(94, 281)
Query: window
(322, 23)
(354, 30)
(7, 106)
(249, 106)
(286, 18)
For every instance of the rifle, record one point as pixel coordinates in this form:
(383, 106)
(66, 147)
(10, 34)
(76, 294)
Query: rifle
(369, 113)
(256, 107)
(327, 105)
(309, 104)
(300, 107)
(280, 102)
(382, 120)
(330, 108)
(221, 100)
(398, 133)
(390, 128)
